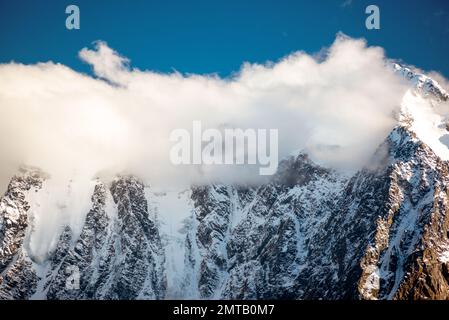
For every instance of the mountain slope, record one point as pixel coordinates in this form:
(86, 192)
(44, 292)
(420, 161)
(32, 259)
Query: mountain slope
(118, 254)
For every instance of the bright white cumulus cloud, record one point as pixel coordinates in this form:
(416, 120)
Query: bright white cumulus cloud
(119, 120)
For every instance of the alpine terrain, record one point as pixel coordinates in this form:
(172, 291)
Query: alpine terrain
(312, 232)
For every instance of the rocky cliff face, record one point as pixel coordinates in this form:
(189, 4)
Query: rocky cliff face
(217, 208)
(316, 233)
(118, 254)
(319, 234)
(17, 276)
(310, 233)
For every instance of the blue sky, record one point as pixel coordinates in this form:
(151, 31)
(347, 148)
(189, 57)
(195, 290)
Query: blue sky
(205, 36)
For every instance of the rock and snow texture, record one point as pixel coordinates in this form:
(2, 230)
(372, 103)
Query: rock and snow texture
(310, 233)
(117, 255)
(17, 276)
(172, 210)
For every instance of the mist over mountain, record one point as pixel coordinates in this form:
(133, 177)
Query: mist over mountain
(120, 119)
(358, 208)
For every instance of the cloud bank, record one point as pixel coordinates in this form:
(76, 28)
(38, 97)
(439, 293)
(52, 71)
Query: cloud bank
(120, 119)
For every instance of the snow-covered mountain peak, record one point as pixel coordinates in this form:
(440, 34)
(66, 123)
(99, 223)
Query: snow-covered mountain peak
(427, 119)
(424, 110)
(422, 83)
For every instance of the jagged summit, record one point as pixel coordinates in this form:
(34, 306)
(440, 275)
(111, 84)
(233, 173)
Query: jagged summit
(424, 111)
(117, 255)
(424, 84)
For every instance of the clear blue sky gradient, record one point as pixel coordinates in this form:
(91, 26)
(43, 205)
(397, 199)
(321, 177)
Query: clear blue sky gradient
(211, 36)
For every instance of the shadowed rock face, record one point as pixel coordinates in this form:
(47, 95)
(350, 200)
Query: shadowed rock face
(380, 234)
(117, 256)
(427, 274)
(17, 277)
(383, 218)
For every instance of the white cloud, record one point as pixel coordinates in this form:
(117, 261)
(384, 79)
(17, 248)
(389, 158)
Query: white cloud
(66, 122)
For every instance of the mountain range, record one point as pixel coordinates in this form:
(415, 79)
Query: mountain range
(311, 232)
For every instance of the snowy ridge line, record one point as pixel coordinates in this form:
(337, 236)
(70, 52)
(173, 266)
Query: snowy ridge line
(422, 82)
